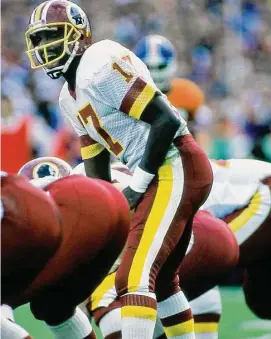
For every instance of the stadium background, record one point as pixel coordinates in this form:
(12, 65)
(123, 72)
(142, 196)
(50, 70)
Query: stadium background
(223, 45)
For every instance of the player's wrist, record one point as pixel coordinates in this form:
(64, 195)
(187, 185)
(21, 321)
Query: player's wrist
(140, 180)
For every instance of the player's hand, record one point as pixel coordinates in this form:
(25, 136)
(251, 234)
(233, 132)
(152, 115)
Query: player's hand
(132, 196)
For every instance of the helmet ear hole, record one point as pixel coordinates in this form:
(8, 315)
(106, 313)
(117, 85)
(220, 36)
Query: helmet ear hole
(82, 37)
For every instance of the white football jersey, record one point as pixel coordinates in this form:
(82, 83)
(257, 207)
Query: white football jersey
(235, 182)
(113, 87)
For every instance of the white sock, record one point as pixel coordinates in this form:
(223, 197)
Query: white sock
(207, 335)
(138, 315)
(137, 328)
(77, 327)
(159, 329)
(207, 306)
(176, 317)
(7, 312)
(111, 322)
(10, 330)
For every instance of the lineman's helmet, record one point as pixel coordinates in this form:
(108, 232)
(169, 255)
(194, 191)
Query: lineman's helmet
(158, 53)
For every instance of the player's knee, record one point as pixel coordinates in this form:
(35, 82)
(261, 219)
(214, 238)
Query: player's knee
(257, 291)
(122, 287)
(99, 313)
(52, 313)
(166, 287)
(258, 299)
(258, 306)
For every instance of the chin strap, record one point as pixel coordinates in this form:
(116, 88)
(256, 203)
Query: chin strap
(56, 72)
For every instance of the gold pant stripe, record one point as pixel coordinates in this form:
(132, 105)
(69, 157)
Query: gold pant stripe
(138, 312)
(206, 327)
(105, 285)
(153, 222)
(180, 329)
(247, 214)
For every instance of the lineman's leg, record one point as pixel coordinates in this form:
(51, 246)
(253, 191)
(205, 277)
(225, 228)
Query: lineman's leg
(207, 310)
(103, 305)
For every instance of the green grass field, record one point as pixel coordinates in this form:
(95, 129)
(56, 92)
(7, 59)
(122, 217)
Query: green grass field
(237, 320)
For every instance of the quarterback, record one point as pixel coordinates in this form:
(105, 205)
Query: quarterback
(53, 241)
(115, 108)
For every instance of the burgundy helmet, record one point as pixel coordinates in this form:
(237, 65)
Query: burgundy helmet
(58, 31)
(44, 167)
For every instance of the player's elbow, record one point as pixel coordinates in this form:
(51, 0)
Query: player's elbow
(170, 124)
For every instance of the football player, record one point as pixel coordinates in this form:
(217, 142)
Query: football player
(115, 107)
(51, 242)
(244, 201)
(159, 55)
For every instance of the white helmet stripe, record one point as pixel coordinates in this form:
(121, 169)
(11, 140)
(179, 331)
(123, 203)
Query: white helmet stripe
(33, 16)
(45, 10)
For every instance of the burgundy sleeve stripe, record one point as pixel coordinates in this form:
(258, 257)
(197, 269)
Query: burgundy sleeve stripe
(132, 95)
(86, 140)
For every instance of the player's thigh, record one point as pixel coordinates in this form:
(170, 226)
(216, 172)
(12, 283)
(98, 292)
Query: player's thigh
(214, 252)
(56, 302)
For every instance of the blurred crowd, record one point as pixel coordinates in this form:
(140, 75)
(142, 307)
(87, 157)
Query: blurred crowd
(222, 45)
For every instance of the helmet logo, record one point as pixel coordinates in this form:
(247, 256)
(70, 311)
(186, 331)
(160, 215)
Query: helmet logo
(45, 169)
(76, 16)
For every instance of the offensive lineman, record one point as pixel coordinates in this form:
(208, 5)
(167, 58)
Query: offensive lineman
(52, 242)
(115, 107)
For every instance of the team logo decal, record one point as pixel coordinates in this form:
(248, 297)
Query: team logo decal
(45, 169)
(76, 16)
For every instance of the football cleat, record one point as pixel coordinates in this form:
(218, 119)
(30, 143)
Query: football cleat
(45, 167)
(158, 53)
(58, 31)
